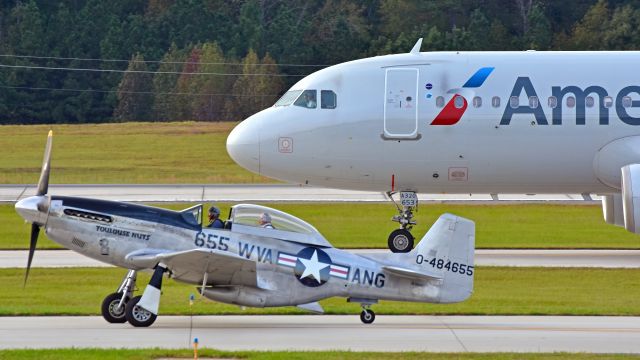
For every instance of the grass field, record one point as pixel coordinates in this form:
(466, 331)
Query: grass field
(366, 225)
(127, 153)
(497, 291)
(97, 354)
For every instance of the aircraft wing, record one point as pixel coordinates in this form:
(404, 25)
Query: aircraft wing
(411, 274)
(192, 265)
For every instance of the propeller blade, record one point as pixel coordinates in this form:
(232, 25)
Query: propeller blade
(43, 183)
(35, 231)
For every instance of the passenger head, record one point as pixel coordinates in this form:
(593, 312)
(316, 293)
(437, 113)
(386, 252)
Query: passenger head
(265, 218)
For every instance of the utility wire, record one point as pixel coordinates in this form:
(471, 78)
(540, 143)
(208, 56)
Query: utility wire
(139, 71)
(150, 61)
(132, 92)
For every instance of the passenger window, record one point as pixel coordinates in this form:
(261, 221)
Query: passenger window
(533, 102)
(514, 102)
(440, 101)
(571, 102)
(608, 101)
(477, 102)
(626, 101)
(458, 102)
(552, 102)
(307, 99)
(495, 101)
(589, 101)
(328, 99)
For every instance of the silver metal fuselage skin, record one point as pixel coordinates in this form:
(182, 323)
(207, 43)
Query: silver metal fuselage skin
(111, 242)
(350, 146)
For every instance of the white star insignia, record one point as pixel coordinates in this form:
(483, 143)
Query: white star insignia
(312, 267)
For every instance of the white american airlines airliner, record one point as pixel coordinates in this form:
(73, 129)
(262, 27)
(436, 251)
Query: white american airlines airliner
(458, 122)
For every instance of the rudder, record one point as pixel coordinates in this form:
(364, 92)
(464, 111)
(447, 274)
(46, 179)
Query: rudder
(447, 250)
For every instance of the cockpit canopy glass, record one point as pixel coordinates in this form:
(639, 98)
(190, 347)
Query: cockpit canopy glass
(264, 217)
(307, 99)
(288, 98)
(193, 215)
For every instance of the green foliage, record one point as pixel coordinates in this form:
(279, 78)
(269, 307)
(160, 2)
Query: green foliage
(151, 354)
(298, 32)
(134, 92)
(252, 93)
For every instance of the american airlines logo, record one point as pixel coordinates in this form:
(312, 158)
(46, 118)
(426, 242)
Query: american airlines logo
(457, 105)
(452, 112)
(622, 103)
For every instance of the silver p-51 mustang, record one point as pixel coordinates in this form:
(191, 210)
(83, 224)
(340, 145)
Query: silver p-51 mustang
(287, 264)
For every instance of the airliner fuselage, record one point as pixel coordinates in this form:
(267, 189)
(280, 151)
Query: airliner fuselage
(452, 122)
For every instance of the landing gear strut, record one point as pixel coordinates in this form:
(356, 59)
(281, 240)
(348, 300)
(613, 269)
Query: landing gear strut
(113, 305)
(401, 240)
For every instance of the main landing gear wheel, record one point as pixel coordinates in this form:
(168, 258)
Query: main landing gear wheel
(400, 241)
(367, 316)
(138, 316)
(110, 310)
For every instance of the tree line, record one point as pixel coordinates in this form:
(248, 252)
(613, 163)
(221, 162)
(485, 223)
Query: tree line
(77, 61)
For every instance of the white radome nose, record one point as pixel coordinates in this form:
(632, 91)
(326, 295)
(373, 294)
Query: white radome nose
(243, 144)
(28, 209)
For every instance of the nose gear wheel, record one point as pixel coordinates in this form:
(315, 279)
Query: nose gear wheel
(401, 240)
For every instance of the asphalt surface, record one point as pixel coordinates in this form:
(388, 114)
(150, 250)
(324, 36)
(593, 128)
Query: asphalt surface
(262, 193)
(328, 332)
(518, 258)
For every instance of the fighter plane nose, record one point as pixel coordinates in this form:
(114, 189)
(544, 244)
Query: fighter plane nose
(243, 144)
(28, 208)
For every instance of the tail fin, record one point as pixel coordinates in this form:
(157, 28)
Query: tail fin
(446, 251)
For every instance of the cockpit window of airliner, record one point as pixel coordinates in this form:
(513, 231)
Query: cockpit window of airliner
(328, 99)
(307, 99)
(288, 98)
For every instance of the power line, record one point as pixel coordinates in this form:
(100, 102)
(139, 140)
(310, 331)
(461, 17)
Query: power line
(150, 61)
(139, 71)
(131, 92)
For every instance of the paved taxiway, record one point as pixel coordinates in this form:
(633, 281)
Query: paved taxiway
(543, 258)
(249, 192)
(389, 333)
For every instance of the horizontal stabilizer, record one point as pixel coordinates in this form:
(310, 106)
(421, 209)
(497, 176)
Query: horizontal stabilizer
(411, 274)
(313, 307)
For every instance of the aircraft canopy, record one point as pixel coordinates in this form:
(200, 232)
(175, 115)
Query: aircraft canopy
(250, 219)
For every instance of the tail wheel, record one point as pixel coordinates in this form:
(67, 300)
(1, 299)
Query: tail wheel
(110, 310)
(400, 241)
(367, 316)
(138, 316)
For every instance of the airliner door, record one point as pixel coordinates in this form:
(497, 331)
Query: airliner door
(401, 103)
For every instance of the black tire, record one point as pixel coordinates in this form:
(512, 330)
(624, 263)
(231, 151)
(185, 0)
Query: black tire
(109, 306)
(367, 316)
(400, 241)
(138, 316)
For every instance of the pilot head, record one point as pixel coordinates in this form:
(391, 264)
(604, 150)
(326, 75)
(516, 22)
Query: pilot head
(214, 213)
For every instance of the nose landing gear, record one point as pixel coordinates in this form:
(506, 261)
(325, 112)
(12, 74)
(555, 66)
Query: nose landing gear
(401, 240)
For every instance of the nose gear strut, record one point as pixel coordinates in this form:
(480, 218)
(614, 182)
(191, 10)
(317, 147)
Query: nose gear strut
(401, 240)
